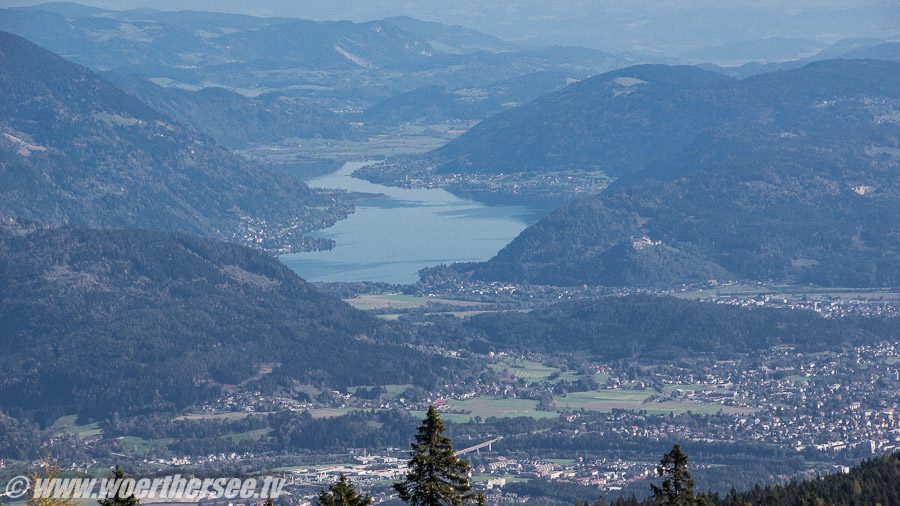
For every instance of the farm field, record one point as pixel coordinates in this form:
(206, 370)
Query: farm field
(400, 301)
(402, 140)
(603, 400)
(68, 425)
(533, 372)
(253, 435)
(138, 445)
(237, 415)
(488, 406)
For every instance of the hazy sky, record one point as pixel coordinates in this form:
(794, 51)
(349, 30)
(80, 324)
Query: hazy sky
(604, 24)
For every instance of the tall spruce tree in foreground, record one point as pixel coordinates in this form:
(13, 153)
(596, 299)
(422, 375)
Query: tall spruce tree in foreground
(118, 500)
(677, 488)
(436, 476)
(343, 493)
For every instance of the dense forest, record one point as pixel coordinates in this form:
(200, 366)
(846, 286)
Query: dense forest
(664, 328)
(97, 322)
(337, 63)
(874, 481)
(615, 122)
(76, 150)
(802, 189)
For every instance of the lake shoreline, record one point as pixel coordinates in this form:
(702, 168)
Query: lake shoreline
(395, 232)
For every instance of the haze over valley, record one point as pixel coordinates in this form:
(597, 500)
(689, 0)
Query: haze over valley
(562, 241)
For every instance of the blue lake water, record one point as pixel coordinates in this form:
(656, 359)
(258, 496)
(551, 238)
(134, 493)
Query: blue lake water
(390, 239)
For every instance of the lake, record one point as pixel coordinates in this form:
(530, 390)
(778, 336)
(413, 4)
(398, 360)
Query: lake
(390, 239)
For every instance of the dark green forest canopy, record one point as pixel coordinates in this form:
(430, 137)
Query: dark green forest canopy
(665, 328)
(873, 481)
(96, 322)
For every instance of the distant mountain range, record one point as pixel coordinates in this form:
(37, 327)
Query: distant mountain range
(339, 64)
(788, 177)
(615, 122)
(102, 321)
(236, 121)
(434, 104)
(856, 49)
(619, 121)
(75, 149)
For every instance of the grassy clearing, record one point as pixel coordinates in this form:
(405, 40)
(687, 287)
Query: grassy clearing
(603, 400)
(532, 372)
(447, 417)
(309, 390)
(569, 376)
(535, 372)
(394, 390)
(400, 301)
(253, 435)
(328, 412)
(236, 415)
(628, 81)
(138, 446)
(68, 425)
(488, 406)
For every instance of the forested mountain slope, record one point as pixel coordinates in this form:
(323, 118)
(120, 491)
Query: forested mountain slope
(338, 63)
(620, 121)
(801, 184)
(615, 122)
(236, 121)
(75, 149)
(664, 328)
(96, 322)
(874, 481)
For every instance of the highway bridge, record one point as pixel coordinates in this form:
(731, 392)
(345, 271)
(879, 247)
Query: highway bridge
(486, 444)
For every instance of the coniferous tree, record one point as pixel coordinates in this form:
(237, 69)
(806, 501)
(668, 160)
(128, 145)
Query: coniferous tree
(436, 476)
(118, 500)
(677, 488)
(343, 493)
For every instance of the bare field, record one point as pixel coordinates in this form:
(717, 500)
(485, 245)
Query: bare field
(237, 415)
(399, 301)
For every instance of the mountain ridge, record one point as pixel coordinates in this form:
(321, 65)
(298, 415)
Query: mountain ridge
(801, 188)
(77, 150)
(132, 321)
